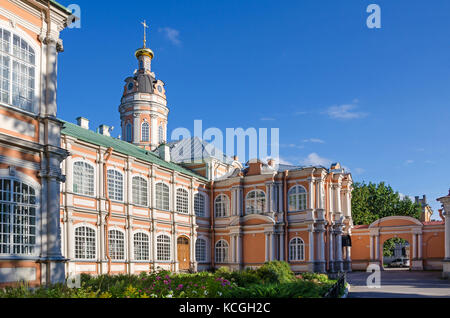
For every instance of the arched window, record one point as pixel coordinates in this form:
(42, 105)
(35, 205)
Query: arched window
(145, 132)
(140, 191)
(18, 207)
(83, 178)
(182, 201)
(200, 250)
(255, 202)
(85, 240)
(297, 199)
(129, 133)
(221, 252)
(221, 206)
(116, 245)
(115, 185)
(296, 250)
(161, 134)
(141, 247)
(200, 205)
(162, 196)
(17, 71)
(163, 248)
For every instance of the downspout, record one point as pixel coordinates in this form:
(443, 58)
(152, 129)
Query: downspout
(327, 233)
(213, 235)
(286, 233)
(108, 154)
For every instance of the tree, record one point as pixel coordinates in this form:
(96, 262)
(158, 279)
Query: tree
(371, 202)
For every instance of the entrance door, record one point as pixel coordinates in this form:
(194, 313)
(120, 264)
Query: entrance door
(184, 259)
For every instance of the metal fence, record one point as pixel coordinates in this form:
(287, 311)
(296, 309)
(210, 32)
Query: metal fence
(335, 291)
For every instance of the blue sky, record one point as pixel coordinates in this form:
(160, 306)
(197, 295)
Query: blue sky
(376, 100)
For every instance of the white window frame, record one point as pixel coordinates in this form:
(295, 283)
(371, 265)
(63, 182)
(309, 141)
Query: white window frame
(117, 241)
(182, 201)
(139, 191)
(34, 109)
(296, 250)
(160, 203)
(145, 132)
(23, 179)
(296, 195)
(165, 249)
(92, 228)
(161, 138)
(222, 212)
(113, 191)
(252, 204)
(83, 186)
(199, 213)
(221, 252)
(140, 257)
(205, 252)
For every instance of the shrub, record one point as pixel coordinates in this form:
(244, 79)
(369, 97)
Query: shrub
(276, 272)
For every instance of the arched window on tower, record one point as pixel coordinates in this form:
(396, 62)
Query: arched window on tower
(145, 133)
(161, 134)
(129, 133)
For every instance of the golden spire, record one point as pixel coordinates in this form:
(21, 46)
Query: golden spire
(145, 32)
(144, 50)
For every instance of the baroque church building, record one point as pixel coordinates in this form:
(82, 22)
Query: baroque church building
(76, 200)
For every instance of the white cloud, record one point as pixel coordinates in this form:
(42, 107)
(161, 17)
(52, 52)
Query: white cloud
(409, 162)
(279, 160)
(172, 35)
(294, 146)
(359, 170)
(315, 160)
(314, 140)
(346, 111)
(267, 119)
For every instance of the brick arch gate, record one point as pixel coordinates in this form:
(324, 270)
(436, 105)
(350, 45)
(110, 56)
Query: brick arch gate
(368, 240)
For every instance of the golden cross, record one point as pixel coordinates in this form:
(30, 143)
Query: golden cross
(145, 32)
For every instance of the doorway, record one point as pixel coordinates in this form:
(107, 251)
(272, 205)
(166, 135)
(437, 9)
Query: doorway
(183, 251)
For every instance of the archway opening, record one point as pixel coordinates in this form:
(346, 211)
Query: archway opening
(396, 254)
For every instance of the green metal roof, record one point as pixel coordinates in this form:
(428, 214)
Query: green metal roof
(57, 4)
(123, 147)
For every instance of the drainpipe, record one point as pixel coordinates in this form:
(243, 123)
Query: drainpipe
(108, 154)
(212, 224)
(329, 224)
(286, 233)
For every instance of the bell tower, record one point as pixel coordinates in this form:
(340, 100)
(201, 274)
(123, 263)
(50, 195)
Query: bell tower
(143, 109)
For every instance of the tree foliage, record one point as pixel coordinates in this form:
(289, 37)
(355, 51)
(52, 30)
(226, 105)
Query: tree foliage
(371, 202)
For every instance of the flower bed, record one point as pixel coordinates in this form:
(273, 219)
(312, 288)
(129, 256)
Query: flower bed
(273, 280)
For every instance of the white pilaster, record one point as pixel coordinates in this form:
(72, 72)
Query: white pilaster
(311, 244)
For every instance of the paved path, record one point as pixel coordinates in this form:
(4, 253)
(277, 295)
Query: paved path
(399, 284)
